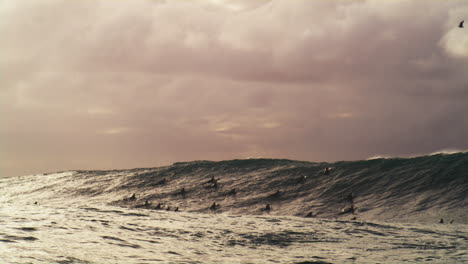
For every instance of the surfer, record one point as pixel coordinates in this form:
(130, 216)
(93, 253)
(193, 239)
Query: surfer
(212, 180)
(214, 206)
(327, 171)
(133, 197)
(351, 210)
(158, 207)
(214, 185)
(301, 179)
(147, 203)
(162, 182)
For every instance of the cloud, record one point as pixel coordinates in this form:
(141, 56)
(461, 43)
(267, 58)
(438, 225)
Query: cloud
(95, 84)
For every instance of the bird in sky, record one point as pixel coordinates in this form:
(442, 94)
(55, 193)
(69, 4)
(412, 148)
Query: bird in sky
(461, 24)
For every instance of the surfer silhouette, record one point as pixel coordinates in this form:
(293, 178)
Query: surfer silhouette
(183, 192)
(349, 210)
(213, 183)
(212, 179)
(162, 182)
(301, 179)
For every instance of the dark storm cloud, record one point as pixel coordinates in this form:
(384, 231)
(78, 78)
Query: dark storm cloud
(107, 84)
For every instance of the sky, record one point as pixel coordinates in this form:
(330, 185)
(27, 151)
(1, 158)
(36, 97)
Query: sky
(100, 84)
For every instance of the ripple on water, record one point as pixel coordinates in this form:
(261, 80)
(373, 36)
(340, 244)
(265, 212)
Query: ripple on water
(135, 214)
(313, 262)
(71, 260)
(113, 238)
(365, 231)
(122, 243)
(280, 239)
(19, 238)
(149, 241)
(27, 229)
(127, 228)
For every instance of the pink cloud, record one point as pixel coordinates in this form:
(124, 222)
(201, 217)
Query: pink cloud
(125, 84)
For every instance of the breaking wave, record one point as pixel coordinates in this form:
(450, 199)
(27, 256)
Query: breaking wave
(391, 189)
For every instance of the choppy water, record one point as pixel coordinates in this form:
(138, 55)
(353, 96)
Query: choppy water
(82, 216)
(103, 234)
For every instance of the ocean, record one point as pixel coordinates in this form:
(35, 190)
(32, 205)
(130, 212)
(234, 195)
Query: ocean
(394, 210)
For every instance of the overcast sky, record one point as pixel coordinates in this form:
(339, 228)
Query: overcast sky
(121, 84)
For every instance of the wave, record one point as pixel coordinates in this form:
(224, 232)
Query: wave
(393, 189)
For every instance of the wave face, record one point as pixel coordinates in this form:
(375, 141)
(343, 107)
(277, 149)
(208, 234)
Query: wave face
(422, 189)
(92, 217)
